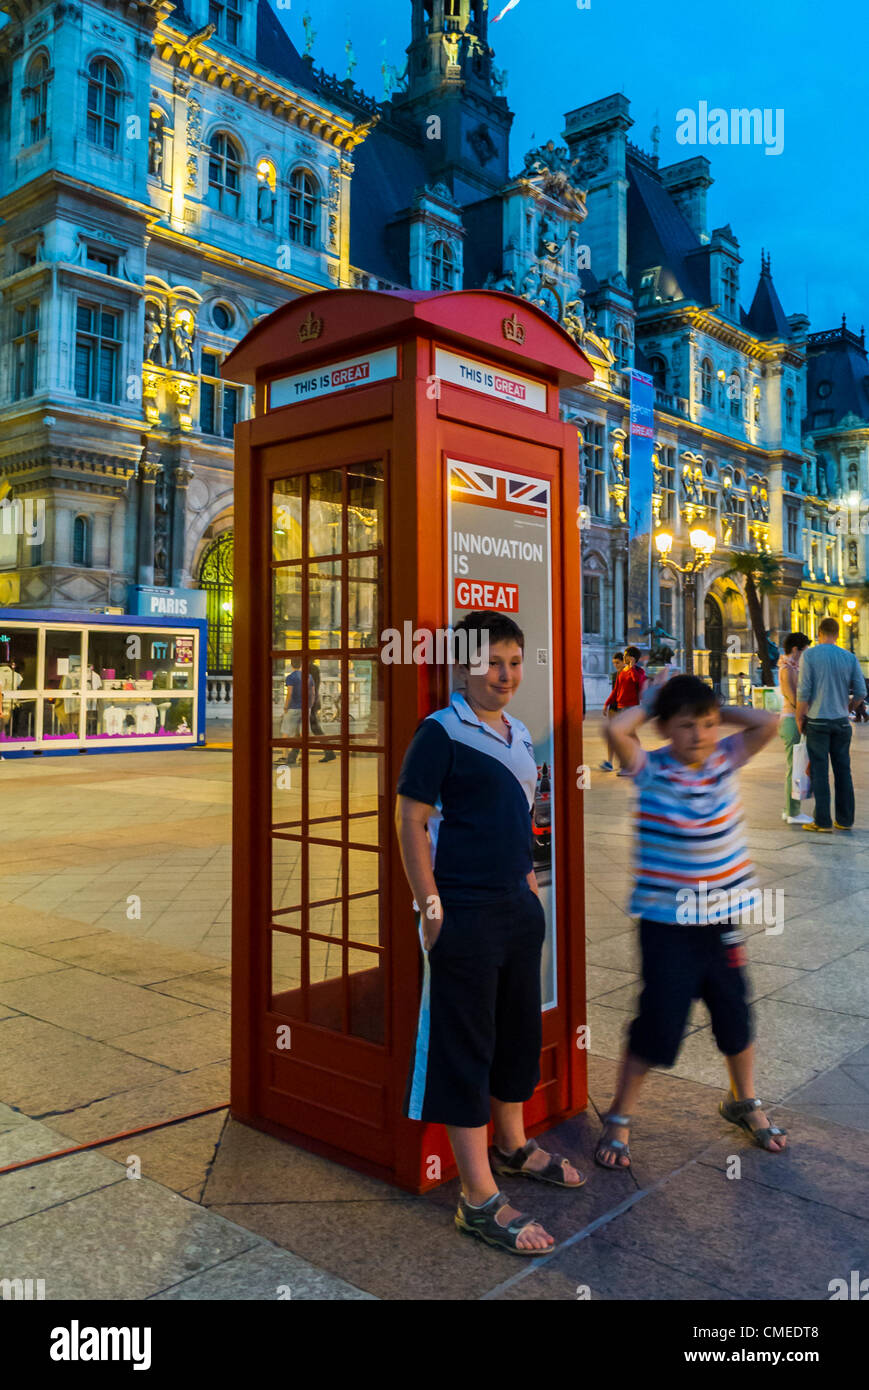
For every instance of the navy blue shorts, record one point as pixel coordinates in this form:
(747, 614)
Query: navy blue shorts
(479, 1032)
(682, 963)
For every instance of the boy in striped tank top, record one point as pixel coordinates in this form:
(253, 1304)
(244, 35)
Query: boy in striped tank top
(693, 881)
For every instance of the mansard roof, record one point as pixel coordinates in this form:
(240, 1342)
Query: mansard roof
(387, 171)
(838, 365)
(275, 49)
(766, 317)
(659, 235)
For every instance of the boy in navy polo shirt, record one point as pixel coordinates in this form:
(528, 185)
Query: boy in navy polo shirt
(463, 817)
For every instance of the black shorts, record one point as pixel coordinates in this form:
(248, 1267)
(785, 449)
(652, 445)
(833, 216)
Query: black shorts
(682, 963)
(479, 1032)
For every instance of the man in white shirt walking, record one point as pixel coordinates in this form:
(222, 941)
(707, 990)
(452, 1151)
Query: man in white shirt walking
(828, 676)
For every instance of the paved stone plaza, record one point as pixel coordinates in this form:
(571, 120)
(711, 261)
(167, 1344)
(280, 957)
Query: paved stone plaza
(111, 1020)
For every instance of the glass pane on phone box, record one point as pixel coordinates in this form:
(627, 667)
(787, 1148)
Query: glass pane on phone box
(364, 794)
(287, 608)
(286, 874)
(287, 520)
(324, 604)
(286, 791)
(326, 962)
(325, 920)
(325, 511)
(287, 971)
(289, 699)
(364, 506)
(18, 720)
(324, 872)
(364, 597)
(364, 703)
(367, 981)
(364, 920)
(326, 711)
(363, 870)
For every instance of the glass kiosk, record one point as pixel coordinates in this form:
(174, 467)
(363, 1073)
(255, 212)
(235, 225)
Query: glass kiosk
(101, 682)
(407, 461)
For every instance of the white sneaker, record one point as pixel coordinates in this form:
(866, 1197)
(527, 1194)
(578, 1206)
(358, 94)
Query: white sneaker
(784, 815)
(799, 820)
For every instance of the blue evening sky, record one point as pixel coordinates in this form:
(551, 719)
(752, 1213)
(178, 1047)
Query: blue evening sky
(809, 205)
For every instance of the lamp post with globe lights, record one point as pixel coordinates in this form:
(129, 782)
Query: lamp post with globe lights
(703, 545)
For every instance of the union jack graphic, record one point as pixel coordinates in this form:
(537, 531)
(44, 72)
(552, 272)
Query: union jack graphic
(488, 487)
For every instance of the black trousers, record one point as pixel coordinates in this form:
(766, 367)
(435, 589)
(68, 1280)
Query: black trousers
(831, 739)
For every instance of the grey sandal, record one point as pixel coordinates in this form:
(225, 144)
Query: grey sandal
(480, 1222)
(735, 1111)
(511, 1166)
(618, 1146)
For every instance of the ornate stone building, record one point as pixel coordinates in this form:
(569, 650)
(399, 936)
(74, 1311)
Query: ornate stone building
(169, 175)
(172, 174)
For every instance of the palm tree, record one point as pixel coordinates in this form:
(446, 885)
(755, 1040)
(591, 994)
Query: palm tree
(759, 573)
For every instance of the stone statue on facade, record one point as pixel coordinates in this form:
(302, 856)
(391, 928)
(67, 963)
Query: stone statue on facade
(182, 340)
(310, 34)
(155, 324)
(351, 60)
(265, 204)
(557, 174)
(155, 144)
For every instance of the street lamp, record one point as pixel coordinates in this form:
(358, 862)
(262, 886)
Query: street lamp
(703, 545)
(851, 619)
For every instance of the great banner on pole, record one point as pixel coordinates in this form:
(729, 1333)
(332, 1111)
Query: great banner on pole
(638, 619)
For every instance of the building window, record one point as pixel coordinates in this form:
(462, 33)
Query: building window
(665, 608)
(790, 409)
(97, 352)
(226, 19)
(303, 208)
(36, 99)
(443, 268)
(734, 393)
(710, 502)
(667, 459)
(25, 350)
(659, 372)
(831, 575)
(219, 402)
(622, 347)
(101, 261)
(216, 577)
(104, 105)
(738, 514)
(81, 541)
(591, 603)
(224, 175)
(706, 382)
(792, 529)
(222, 317)
(730, 291)
(594, 492)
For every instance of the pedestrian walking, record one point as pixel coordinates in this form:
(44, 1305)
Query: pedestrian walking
(610, 706)
(291, 722)
(463, 817)
(788, 674)
(689, 835)
(829, 675)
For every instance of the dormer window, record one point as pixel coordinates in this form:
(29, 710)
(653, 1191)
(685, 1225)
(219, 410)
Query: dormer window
(730, 291)
(226, 18)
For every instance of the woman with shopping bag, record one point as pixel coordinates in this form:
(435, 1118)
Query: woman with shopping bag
(797, 785)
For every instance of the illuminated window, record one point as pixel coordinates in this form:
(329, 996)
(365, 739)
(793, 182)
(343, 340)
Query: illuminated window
(622, 347)
(219, 401)
(226, 18)
(591, 606)
(594, 492)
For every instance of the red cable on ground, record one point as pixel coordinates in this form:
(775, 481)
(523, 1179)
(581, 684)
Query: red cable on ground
(125, 1134)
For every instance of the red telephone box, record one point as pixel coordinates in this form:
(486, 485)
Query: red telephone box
(407, 463)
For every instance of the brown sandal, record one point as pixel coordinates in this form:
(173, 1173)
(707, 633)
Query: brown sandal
(511, 1166)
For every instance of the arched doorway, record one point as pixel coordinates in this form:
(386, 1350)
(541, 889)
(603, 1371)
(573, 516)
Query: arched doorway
(215, 577)
(713, 623)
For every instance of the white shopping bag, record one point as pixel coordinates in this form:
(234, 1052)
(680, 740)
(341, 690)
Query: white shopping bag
(801, 782)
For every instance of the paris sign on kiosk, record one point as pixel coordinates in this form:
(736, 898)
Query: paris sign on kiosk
(407, 465)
